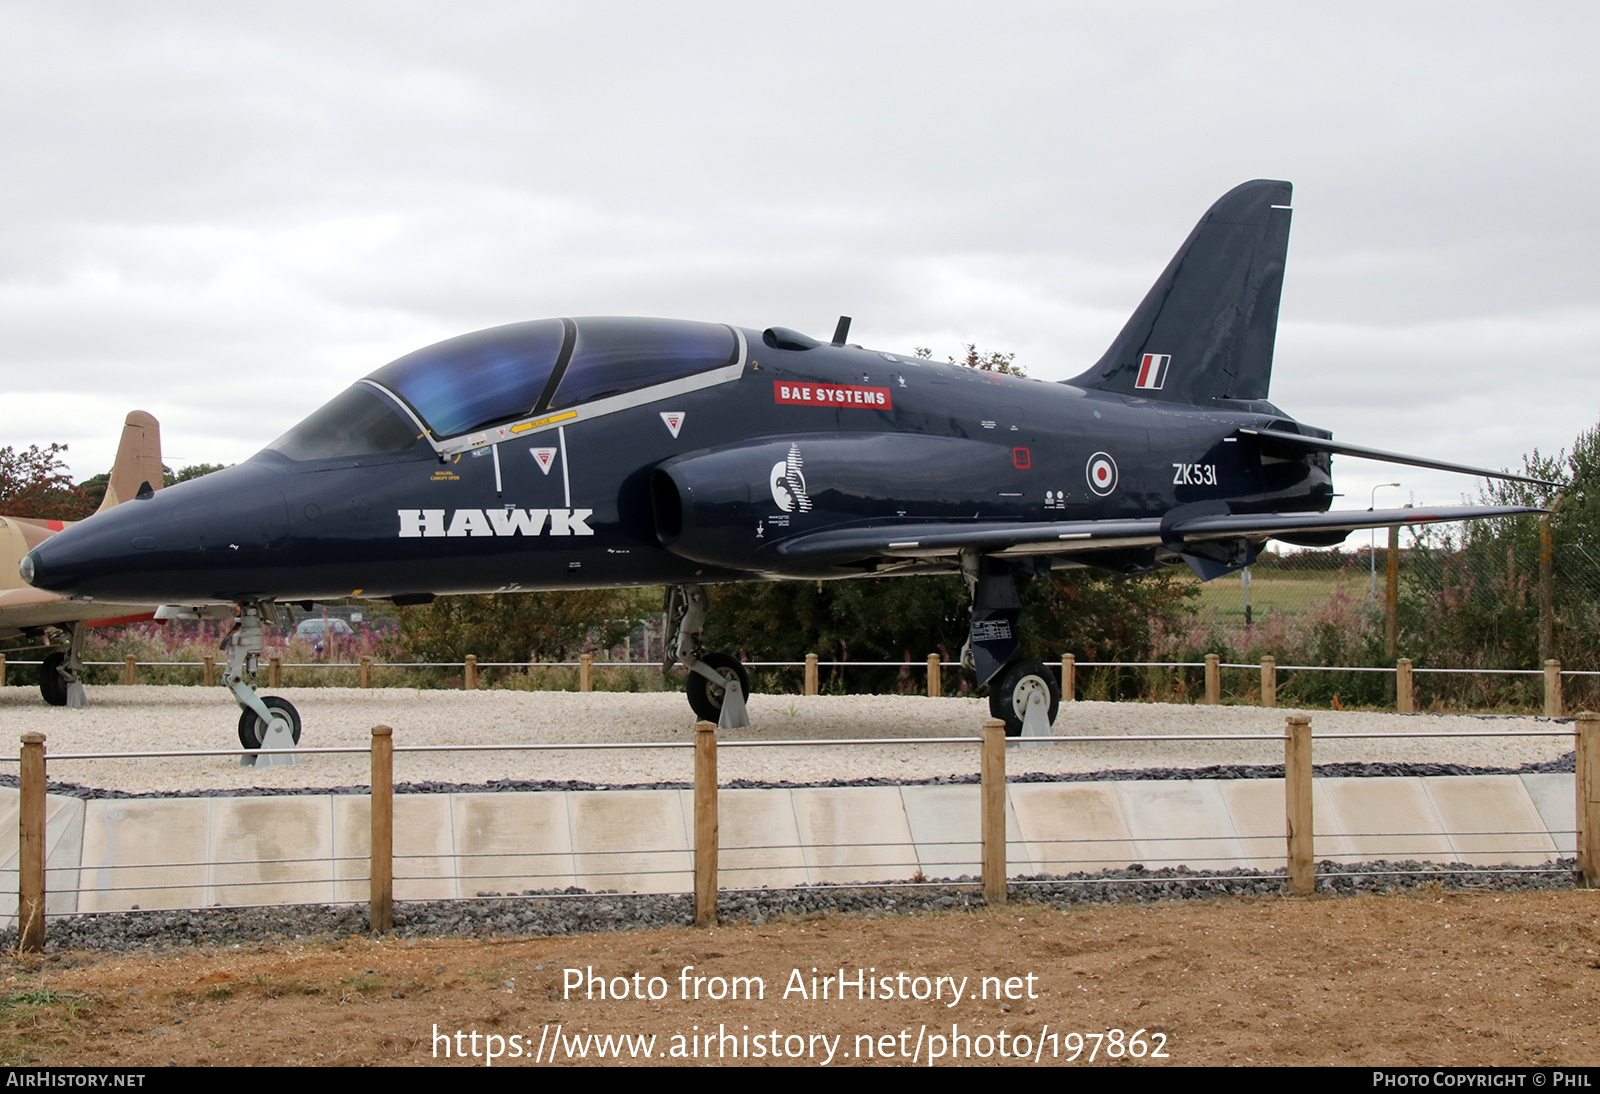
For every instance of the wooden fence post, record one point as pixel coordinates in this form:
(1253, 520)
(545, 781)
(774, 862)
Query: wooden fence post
(380, 908)
(31, 845)
(2, 670)
(275, 671)
(1269, 681)
(1588, 786)
(1213, 678)
(469, 675)
(1069, 677)
(209, 673)
(366, 671)
(992, 779)
(586, 672)
(1552, 688)
(705, 824)
(129, 670)
(935, 677)
(809, 685)
(1404, 692)
(1297, 805)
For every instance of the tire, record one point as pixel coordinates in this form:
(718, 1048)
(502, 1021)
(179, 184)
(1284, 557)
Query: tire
(251, 729)
(705, 698)
(1008, 695)
(51, 685)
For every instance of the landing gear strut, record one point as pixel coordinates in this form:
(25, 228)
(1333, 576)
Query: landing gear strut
(1018, 687)
(59, 676)
(718, 683)
(270, 725)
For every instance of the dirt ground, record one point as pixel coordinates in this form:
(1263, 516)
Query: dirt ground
(1428, 978)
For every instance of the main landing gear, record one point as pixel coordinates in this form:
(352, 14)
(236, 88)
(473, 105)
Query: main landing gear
(1022, 693)
(269, 727)
(718, 683)
(59, 676)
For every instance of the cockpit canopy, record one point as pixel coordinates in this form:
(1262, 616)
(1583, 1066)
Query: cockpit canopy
(509, 372)
(504, 373)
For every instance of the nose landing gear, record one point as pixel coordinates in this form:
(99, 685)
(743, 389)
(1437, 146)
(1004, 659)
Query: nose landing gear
(717, 683)
(268, 726)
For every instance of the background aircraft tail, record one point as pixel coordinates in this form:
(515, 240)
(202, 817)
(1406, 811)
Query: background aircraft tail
(138, 460)
(1205, 331)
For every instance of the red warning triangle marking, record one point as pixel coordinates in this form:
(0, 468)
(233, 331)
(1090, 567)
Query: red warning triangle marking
(545, 457)
(674, 420)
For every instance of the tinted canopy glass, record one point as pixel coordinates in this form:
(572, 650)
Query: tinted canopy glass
(612, 356)
(465, 383)
(360, 421)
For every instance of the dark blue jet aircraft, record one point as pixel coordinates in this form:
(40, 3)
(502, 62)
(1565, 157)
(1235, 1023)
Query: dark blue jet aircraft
(573, 453)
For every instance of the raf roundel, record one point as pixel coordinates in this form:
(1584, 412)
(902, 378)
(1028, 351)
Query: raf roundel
(1102, 473)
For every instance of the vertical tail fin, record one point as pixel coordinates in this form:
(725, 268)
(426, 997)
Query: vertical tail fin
(138, 460)
(1206, 329)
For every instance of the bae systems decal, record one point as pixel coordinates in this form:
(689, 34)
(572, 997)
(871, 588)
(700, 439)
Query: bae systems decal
(789, 485)
(793, 394)
(1102, 472)
(416, 523)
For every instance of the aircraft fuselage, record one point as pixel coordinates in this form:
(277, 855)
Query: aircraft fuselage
(674, 486)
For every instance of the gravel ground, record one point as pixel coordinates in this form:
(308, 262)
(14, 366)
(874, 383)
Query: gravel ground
(124, 719)
(577, 912)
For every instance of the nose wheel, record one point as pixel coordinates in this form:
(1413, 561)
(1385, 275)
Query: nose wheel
(253, 731)
(705, 698)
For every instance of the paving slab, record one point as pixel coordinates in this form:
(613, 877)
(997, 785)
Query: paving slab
(145, 853)
(1490, 819)
(1071, 827)
(1181, 823)
(505, 843)
(759, 839)
(271, 850)
(1386, 819)
(1555, 796)
(1258, 812)
(855, 833)
(634, 841)
(946, 825)
(424, 853)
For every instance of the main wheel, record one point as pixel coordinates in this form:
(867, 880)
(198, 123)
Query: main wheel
(704, 696)
(252, 731)
(1016, 684)
(51, 684)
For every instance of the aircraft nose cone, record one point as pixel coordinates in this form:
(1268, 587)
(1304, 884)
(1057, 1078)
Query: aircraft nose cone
(199, 539)
(25, 568)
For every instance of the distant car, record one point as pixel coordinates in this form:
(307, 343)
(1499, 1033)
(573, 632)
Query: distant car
(318, 631)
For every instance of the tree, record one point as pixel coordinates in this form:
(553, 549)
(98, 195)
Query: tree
(993, 361)
(522, 626)
(36, 483)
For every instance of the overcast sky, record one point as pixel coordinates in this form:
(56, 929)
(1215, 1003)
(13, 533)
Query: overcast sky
(225, 213)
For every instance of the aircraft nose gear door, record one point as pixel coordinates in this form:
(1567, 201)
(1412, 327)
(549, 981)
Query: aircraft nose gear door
(718, 683)
(269, 727)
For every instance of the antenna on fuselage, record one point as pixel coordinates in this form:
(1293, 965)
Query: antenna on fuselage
(842, 331)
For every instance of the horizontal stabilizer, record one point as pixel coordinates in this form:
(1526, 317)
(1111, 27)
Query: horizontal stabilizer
(1323, 444)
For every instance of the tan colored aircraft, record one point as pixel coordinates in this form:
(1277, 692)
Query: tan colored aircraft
(26, 610)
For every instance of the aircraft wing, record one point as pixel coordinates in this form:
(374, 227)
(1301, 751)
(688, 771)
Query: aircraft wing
(935, 540)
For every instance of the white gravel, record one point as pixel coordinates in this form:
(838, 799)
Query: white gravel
(122, 719)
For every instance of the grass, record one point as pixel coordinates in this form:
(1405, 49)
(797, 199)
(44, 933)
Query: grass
(1288, 592)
